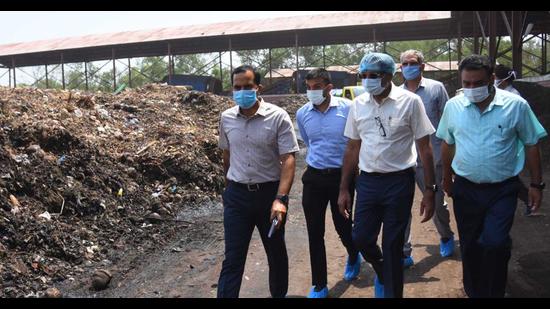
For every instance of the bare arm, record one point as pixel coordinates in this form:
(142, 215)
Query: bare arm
(349, 170)
(278, 209)
(535, 170)
(447, 155)
(225, 164)
(426, 156)
(287, 172)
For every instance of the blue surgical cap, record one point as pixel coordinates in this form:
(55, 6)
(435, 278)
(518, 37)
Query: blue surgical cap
(377, 62)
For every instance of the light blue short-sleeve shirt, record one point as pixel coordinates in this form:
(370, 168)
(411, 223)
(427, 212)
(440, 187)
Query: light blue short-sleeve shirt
(486, 148)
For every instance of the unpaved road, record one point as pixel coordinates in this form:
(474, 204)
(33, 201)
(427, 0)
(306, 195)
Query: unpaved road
(189, 267)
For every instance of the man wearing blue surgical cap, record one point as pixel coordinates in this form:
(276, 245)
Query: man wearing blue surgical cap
(382, 126)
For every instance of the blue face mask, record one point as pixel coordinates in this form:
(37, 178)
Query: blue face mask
(245, 98)
(373, 85)
(411, 71)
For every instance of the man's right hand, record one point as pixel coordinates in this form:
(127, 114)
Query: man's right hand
(344, 203)
(447, 185)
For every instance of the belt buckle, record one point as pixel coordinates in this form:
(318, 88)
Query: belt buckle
(253, 187)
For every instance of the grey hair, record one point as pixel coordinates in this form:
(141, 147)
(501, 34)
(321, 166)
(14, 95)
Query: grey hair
(417, 53)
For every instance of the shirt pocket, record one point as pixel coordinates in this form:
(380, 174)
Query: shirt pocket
(397, 127)
(336, 127)
(367, 127)
(502, 133)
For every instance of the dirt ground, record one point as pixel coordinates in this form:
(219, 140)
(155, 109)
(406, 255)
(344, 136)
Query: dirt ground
(188, 264)
(189, 267)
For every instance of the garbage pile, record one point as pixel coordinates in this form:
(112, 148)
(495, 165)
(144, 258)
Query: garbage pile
(290, 103)
(85, 177)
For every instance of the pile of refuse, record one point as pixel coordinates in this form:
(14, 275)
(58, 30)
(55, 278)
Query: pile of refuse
(85, 176)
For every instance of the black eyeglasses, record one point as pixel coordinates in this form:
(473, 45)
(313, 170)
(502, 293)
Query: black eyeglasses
(381, 129)
(370, 75)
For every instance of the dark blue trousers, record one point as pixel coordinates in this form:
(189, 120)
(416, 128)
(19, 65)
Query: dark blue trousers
(484, 216)
(384, 200)
(244, 210)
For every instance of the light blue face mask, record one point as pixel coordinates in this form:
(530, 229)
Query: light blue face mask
(410, 71)
(373, 85)
(245, 98)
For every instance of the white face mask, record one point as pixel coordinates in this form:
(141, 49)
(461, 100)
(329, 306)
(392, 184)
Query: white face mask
(316, 97)
(476, 95)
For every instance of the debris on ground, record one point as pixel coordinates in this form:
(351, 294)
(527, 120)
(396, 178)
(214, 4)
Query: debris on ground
(84, 174)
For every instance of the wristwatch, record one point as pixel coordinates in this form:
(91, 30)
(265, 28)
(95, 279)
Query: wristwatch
(283, 198)
(433, 188)
(539, 186)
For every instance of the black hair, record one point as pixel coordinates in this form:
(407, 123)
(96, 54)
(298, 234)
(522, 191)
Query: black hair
(504, 72)
(243, 69)
(319, 73)
(476, 62)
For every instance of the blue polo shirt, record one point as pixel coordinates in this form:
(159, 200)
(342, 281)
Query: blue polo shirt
(323, 133)
(487, 143)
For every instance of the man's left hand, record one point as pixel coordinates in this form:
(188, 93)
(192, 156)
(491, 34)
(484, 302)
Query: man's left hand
(427, 206)
(278, 210)
(535, 198)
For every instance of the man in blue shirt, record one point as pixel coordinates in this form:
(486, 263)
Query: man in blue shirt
(481, 130)
(321, 123)
(434, 96)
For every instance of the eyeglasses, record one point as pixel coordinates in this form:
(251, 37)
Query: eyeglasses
(381, 129)
(370, 75)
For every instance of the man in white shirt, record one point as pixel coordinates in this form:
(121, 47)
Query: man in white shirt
(383, 126)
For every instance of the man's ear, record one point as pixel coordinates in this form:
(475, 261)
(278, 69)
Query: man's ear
(422, 66)
(260, 88)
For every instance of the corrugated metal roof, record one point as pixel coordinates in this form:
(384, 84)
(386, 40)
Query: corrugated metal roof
(221, 29)
(430, 66)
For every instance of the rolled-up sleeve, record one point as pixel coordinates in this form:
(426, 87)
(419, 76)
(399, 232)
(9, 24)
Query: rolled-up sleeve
(528, 127)
(351, 124)
(223, 142)
(444, 130)
(286, 137)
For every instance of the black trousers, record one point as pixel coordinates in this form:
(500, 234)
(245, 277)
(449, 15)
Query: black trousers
(319, 190)
(484, 216)
(244, 210)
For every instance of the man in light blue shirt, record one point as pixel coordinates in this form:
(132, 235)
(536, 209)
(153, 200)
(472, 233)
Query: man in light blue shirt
(481, 130)
(321, 123)
(434, 96)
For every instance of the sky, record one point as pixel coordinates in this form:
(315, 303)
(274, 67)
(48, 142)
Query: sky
(28, 26)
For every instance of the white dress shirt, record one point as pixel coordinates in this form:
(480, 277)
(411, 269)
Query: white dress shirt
(388, 147)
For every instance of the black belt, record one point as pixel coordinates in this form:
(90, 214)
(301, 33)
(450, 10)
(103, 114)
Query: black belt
(408, 171)
(252, 187)
(487, 185)
(326, 171)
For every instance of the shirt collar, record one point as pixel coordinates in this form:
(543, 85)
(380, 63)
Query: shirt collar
(392, 95)
(421, 84)
(262, 110)
(333, 102)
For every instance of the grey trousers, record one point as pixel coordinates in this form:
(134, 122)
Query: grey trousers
(441, 215)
